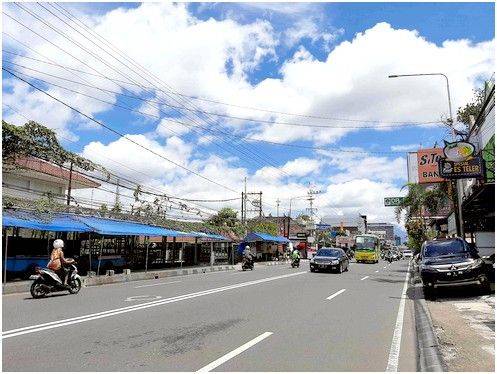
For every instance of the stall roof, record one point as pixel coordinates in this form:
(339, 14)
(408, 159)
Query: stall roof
(263, 237)
(204, 235)
(72, 222)
(45, 222)
(106, 226)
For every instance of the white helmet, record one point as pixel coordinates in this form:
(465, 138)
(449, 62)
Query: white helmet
(247, 247)
(58, 243)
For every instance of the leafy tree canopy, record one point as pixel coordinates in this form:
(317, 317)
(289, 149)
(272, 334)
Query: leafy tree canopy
(33, 139)
(225, 217)
(472, 108)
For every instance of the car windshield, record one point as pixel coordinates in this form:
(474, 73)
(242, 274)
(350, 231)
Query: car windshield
(445, 248)
(328, 253)
(365, 242)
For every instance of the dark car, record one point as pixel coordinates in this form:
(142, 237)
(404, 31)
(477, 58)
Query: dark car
(450, 262)
(330, 259)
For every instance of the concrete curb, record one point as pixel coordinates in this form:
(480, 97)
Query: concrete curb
(20, 287)
(429, 356)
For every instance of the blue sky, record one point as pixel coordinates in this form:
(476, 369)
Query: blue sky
(325, 59)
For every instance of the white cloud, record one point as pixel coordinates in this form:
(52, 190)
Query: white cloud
(130, 158)
(307, 28)
(404, 147)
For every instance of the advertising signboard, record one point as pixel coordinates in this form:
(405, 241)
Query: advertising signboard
(472, 168)
(460, 161)
(302, 235)
(393, 201)
(428, 171)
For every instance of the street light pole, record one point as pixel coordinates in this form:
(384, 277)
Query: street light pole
(451, 118)
(457, 212)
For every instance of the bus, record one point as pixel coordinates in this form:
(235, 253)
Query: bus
(367, 248)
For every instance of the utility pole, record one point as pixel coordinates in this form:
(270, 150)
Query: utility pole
(278, 207)
(116, 202)
(70, 186)
(260, 204)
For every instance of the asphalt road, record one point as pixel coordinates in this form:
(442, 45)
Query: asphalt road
(270, 319)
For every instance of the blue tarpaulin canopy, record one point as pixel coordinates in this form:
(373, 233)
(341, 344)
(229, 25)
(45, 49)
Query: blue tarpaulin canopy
(203, 235)
(263, 237)
(57, 222)
(106, 226)
(72, 222)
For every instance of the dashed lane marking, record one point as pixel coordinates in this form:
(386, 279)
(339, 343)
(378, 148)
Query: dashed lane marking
(335, 294)
(233, 353)
(367, 276)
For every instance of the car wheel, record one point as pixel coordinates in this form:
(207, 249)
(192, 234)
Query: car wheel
(485, 285)
(312, 270)
(429, 292)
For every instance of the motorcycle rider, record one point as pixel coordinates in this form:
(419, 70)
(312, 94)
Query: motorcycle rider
(296, 255)
(247, 254)
(57, 260)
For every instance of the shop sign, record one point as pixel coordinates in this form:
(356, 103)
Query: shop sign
(472, 168)
(302, 235)
(393, 201)
(428, 171)
(458, 151)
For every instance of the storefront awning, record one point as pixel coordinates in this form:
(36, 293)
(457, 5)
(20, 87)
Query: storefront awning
(263, 237)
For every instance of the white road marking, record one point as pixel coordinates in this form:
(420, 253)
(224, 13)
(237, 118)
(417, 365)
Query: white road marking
(233, 353)
(109, 313)
(367, 276)
(335, 294)
(384, 267)
(376, 271)
(157, 284)
(143, 298)
(393, 357)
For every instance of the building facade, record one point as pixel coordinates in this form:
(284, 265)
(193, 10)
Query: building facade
(31, 178)
(477, 195)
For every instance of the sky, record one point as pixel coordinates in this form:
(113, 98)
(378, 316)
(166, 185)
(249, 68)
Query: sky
(212, 87)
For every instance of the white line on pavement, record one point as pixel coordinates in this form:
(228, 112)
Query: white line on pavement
(108, 313)
(393, 357)
(384, 267)
(335, 294)
(367, 276)
(376, 271)
(233, 353)
(157, 284)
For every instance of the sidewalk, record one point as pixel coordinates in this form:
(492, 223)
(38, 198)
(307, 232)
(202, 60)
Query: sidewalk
(465, 328)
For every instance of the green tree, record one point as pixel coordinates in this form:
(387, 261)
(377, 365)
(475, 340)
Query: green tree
(267, 227)
(472, 108)
(33, 139)
(226, 217)
(420, 199)
(103, 210)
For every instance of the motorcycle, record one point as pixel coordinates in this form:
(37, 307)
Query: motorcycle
(247, 265)
(47, 281)
(296, 262)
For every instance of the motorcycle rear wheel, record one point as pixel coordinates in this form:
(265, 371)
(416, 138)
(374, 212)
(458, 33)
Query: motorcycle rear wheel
(37, 290)
(75, 286)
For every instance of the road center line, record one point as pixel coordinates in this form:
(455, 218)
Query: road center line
(109, 313)
(376, 271)
(233, 353)
(335, 294)
(367, 276)
(157, 284)
(393, 357)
